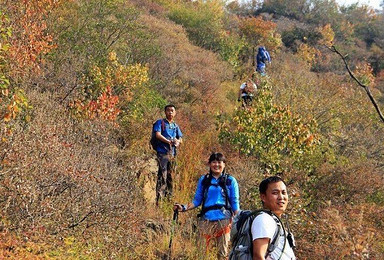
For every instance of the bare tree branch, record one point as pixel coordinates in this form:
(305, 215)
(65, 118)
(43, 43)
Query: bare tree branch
(79, 222)
(366, 88)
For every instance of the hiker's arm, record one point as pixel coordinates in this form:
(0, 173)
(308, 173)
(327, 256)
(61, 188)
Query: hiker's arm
(179, 139)
(160, 137)
(260, 247)
(234, 197)
(196, 201)
(239, 95)
(183, 208)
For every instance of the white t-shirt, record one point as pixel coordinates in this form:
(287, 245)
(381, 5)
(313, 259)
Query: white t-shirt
(264, 226)
(242, 87)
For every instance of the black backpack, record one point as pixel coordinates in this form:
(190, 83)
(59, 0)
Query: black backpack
(154, 141)
(224, 182)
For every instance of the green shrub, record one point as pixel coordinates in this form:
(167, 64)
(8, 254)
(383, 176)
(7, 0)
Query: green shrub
(272, 134)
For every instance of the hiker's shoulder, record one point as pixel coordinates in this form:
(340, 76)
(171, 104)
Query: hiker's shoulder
(231, 177)
(265, 218)
(203, 177)
(157, 125)
(158, 121)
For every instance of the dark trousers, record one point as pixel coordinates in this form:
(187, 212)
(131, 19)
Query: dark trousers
(164, 183)
(247, 100)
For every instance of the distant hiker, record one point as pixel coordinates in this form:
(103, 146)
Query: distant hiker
(246, 92)
(168, 137)
(274, 197)
(218, 193)
(262, 58)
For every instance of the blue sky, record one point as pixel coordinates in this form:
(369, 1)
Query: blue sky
(374, 3)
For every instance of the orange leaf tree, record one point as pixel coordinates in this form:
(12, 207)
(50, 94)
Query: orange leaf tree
(24, 42)
(104, 86)
(257, 31)
(30, 39)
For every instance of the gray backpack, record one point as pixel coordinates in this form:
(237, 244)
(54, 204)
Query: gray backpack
(241, 236)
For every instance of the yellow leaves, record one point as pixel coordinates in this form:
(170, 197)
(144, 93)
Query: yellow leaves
(327, 34)
(308, 53)
(112, 56)
(17, 103)
(105, 87)
(69, 241)
(364, 73)
(122, 78)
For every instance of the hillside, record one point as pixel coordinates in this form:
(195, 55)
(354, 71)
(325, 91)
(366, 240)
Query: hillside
(82, 82)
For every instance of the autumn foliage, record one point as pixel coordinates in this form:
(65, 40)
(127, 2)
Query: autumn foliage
(30, 40)
(81, 83)
(103, 87)
(260, 32)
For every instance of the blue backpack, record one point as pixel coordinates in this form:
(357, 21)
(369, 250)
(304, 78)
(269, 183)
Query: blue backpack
(263, 55)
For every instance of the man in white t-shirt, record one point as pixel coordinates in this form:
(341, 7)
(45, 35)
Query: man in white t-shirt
(274, 196)
(246, 92)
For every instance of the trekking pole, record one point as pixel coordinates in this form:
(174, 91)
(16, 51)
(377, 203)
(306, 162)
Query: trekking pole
(174, 221)
(253, 56)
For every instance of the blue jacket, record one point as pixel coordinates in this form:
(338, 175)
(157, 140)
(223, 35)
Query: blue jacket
(262, 57)
(216, 196)
(170, 131)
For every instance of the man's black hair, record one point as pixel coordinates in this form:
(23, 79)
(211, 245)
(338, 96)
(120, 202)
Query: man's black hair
(264, 184)
(216, 157)
(169, 105)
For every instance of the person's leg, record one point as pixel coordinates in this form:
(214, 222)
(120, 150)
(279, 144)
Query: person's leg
(244, 101)
(261, 68)
(161, 184)
(222, 242)
(171, 166)
(202, 239)
(247, 100)
(214, 235)
(206, 239)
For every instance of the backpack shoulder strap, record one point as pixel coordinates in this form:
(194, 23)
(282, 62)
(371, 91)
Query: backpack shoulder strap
(177, 130)
(273, 244)
(206, 182)
(162, 125)
(224, 183)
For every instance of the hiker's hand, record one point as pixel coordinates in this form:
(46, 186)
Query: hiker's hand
(180, 207)
(176, 142)
(177, 207)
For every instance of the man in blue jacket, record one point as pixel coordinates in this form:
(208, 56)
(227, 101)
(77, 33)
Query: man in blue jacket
(262, 58)
(168, 135)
